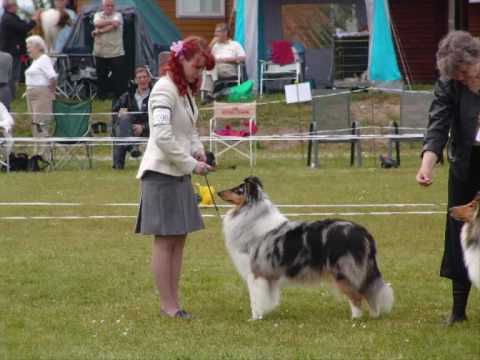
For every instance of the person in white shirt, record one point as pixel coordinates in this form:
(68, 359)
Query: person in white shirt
(6, 125)
(40, 80)
(228, 54)
(109, 51)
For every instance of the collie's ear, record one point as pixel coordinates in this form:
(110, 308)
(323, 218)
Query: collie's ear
(253, 180)
(252, 188)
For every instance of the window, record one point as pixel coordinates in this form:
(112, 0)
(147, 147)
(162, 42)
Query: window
(200, 8)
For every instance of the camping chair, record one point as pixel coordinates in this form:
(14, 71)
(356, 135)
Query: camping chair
(331, 119)
(414, 109)
(270, 72)
(224, 83)
(71, 123)
(224, 140)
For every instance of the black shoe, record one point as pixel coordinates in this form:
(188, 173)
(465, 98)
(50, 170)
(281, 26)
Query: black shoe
(453, 319)
(135, 153)
(180, 314)
(117, 167)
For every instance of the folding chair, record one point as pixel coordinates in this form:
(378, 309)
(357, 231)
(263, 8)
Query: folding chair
(222, 84)
(331, 117)
(414, 109)
(6, 142)
(270, 72)
(222, 141)
(72, 120)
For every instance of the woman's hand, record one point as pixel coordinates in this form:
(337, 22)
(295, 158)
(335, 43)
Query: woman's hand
(199, 155)
(202, 168)
(424, 176)
(425, 173)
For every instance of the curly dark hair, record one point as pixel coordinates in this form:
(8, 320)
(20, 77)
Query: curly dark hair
(192, 45)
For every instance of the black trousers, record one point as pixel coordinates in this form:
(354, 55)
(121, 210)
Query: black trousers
(459, 193)
(122, 127)
(112, 76)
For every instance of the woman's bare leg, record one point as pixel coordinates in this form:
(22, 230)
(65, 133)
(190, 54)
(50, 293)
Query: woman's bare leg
(163, 259)
(176, 269)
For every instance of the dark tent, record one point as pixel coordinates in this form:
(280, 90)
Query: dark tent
(138, 46)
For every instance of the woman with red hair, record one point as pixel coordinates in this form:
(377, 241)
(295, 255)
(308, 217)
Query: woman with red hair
(168, 209)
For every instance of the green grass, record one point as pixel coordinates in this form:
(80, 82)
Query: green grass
(82, 289)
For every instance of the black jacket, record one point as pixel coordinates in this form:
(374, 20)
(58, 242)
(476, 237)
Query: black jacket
(13, 32)
(454, 111)
(127, 100)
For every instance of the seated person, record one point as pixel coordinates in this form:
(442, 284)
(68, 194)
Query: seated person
(228, 54)
(131, 125)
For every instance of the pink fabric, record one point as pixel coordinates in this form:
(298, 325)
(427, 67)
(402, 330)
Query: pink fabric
(228, 131)
(282, 53)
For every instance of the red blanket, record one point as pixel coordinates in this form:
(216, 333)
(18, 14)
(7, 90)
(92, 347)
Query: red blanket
(282, 53)
(228, 131)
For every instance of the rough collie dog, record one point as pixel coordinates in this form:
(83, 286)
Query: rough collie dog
(470, 236)
(269, 251)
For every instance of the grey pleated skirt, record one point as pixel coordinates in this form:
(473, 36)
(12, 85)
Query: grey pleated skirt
(168, 205)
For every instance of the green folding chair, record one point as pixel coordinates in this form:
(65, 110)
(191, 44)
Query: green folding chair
(72, 120)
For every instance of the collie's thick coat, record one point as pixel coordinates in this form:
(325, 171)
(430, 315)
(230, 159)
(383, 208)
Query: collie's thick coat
(470, 236)
(269, 251)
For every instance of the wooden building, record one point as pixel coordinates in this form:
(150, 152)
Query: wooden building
(420, 25)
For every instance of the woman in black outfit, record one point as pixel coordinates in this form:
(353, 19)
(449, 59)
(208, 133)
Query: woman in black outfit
(455, 110)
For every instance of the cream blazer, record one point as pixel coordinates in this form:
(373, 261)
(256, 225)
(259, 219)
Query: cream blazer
(174, 138)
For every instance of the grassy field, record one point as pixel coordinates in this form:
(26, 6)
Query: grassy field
(82, 289)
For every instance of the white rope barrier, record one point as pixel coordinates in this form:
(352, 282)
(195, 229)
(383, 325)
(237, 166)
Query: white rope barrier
(217, 138)
(282, 101)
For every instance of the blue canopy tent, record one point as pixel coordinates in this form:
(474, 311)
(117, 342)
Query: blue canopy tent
(258, 22)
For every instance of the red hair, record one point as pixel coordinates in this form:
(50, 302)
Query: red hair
(192, 45)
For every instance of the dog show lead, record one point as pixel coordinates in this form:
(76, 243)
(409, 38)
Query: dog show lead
(455, 110)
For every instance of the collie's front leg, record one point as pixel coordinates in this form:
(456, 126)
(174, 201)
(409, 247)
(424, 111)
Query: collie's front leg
(263, 298)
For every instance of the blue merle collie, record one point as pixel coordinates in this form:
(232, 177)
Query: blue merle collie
(269, 251)
(470, 236)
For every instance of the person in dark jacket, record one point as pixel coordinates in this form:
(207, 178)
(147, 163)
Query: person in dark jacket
(13, 32)
(455, 110)
(132, 118)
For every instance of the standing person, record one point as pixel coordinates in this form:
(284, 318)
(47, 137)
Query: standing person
(126, 124)
(168, 209)
(6, 78)
(40, 79)
(455, 110)
(228, 54)
(13, 32)
(64, 25)
(109, 51)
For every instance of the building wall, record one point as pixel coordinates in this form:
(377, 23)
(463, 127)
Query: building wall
(420, 25)
(474, 19)
(191, 26)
